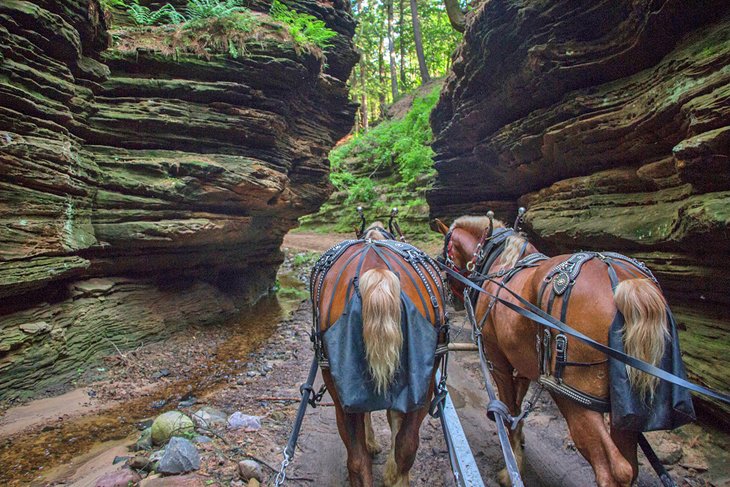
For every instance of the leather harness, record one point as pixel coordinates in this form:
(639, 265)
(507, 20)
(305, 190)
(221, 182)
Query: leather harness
(419, 265)
(562, 277)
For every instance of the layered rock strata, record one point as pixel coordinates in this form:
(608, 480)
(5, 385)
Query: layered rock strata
(141, 193)
(609, 121)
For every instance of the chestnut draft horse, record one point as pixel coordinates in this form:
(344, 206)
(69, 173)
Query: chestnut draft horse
(390, 278)
(510, 338)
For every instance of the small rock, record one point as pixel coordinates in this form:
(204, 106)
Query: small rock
(186, 403)
(161, 373)
(202, 439)
(252, 373)
(34, 328)
(253, 483)
(250, 469)
(698, 465)
(120, 478)
(169, 424)
(208, 417)
(668, 451)
(239, 420)
(278, 415)
(143, 425)
(159, 404)
(145, 440)
(180, 457)
(119, 459)
(140, 462)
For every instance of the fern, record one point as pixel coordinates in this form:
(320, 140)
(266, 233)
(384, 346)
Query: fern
(110, 4)
(304, 28)
(226, 34)
(164, 15)
(205, 9)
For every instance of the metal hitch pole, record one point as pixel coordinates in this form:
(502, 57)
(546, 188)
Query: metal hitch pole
(463, 464)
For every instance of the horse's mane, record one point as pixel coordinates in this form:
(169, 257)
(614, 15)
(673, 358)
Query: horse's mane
(374, 233)
(476, 225)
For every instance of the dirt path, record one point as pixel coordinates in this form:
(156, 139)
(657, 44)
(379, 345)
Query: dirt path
(313, 242)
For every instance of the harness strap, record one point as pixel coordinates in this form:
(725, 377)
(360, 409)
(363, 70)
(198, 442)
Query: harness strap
(337, 281)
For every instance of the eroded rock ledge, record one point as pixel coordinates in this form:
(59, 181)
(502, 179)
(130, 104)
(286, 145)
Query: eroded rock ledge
(609, 121)
(141, 193)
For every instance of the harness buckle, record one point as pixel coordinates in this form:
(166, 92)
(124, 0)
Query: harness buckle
(470, 266)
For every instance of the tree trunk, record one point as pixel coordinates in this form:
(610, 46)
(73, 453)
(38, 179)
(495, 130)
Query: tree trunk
(381, 73)
(401, 28)
(391, 51)
(363, 96)
(425, 78)
(456, 15)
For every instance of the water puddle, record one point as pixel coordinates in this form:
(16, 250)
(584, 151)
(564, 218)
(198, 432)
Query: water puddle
(28, 458)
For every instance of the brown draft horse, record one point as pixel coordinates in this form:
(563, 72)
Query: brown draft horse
(380, 289)
(509, 341)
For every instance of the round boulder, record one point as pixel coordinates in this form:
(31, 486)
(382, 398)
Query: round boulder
(169, 424)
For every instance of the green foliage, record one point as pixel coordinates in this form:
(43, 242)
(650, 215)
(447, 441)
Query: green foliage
(226, 34)
(206, 9)
(304, 28)
(144, 16)
(117, 4)
(305, 259)
(401, 146)
(391, 165)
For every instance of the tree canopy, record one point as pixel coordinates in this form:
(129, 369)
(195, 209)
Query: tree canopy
(389, 64)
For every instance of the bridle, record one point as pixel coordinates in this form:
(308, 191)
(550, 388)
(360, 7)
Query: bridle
(447, 259)
(447, 254)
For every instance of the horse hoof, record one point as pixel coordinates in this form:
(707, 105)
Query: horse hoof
(503, 478)
(374, 449)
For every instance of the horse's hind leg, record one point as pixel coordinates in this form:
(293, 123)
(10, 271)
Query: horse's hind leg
(395, 420)
(592, 439)
(626, 442)
(404, 446)
(352, 429)
(370, 440)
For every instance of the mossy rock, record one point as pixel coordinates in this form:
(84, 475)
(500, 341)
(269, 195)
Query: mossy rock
(169, 424)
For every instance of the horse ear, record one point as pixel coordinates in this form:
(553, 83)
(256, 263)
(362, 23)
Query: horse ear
(439, 226)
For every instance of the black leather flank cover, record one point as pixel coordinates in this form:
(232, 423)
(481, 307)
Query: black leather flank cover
(345, 349)
(672, 406)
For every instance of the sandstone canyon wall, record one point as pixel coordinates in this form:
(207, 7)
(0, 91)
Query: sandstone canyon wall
(608, 120)
(141, 192)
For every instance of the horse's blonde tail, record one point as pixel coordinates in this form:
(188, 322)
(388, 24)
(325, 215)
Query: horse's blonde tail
(645, 330)
(380, 290)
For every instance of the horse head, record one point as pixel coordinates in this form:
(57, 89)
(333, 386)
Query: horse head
(464, 244)
(377, 231)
